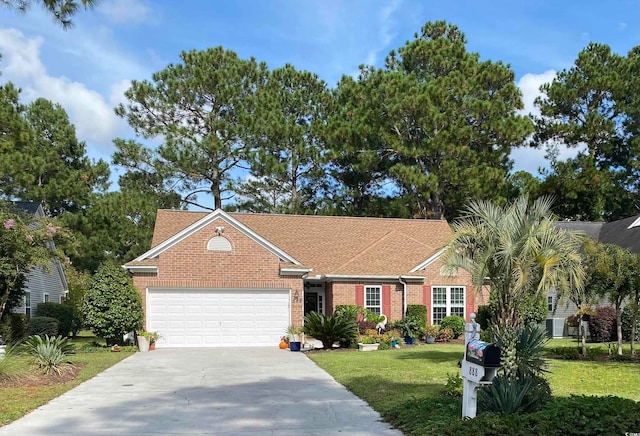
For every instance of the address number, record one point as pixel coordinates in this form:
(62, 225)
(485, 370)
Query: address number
(473, 371)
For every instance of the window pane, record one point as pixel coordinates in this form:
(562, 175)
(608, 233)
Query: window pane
(457, 311)
(438, 314)
(372, 298)
(439, 296)
(457, 296)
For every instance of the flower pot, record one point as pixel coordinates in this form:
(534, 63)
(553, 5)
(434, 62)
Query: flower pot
(294, 346)
(430, 339)
(393, 344)
(367, 347)
(408, 340)
(143, 344)
(152, 346)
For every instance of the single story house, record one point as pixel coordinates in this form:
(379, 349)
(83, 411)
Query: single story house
(235, 279)
(42, 285)
(624, 233)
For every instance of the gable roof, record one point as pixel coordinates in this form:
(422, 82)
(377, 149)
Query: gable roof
(330, 245)
(29, 207)
(620, 233)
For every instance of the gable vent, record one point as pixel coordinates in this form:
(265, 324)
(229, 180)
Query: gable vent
(219, 243)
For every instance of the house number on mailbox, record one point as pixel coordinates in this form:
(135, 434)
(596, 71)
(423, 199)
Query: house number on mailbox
(473, 371)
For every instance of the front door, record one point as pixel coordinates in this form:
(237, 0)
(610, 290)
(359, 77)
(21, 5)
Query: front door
(310, 302)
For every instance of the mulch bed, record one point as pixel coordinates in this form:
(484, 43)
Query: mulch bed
(36, 378)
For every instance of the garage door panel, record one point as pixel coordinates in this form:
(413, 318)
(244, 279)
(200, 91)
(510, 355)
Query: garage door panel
(212, 318)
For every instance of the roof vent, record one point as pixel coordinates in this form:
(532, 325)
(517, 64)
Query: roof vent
(636, 223)
(219, 243)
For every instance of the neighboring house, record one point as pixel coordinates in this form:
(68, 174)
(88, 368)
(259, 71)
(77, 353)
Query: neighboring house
(624, 232)
(233, 279)
(42, 285)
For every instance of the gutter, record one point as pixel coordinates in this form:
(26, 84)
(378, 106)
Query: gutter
(404, 296)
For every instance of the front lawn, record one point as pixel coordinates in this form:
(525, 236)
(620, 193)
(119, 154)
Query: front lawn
(28, 393)
(413, 380)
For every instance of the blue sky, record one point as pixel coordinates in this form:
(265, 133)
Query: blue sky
(87, 68)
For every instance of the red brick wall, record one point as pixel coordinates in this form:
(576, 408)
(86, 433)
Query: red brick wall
(248, 265)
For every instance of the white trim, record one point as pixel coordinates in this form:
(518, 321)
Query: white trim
(429, 261)
(294, 271)
(46, 297)
(201, 223)
(141, 268)
(636, 223)
(370, 277)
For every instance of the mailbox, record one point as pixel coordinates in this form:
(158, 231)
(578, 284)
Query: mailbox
(483, 354)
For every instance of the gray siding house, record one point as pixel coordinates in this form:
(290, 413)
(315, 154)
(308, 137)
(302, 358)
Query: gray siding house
(624, 233)
(42, 286)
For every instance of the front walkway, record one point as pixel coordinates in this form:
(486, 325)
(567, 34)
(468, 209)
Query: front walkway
(222, 391)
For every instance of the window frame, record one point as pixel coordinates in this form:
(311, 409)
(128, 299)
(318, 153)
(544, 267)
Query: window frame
(46, 297)
(27, 303)
(447, 305)
(378, 289)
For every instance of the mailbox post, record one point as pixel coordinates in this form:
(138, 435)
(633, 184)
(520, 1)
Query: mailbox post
(479, 366)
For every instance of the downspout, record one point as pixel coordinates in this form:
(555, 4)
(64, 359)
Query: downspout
(404, 297)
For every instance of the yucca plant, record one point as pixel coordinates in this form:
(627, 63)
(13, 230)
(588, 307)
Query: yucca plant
(329, 329)
(49, 353)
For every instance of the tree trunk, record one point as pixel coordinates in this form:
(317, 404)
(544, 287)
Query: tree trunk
(583, 335)
(619, 328)
(215, 191)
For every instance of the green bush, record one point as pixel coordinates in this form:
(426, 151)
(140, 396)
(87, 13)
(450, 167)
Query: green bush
(42, 326)
(329, 329)
(11, 369)
(561, 416)
(453, 386)
(61, 312)
(483, 316)
(419, 313)
(49, 353)
(347, 311)
(112, 306)
(508, 396)
(13, 327)
(455, 323)
(627, 322)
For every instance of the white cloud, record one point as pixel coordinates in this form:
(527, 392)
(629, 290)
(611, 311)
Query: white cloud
(531, 159)
(125, 11)
(387, 32)
(88, 110)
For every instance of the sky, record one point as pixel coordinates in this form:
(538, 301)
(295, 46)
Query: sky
(87, 68)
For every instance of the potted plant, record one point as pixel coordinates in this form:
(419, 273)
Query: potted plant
(431, 332)
(369, 341)
(410, 329)
(151, 338)
(294, 338)
(143, 342)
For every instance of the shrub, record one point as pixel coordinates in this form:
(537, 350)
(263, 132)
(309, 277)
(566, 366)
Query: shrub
(49, 353)
(112, 306)
(363, 326)
(508, 396)
(61, 312)
(409, 327)
(13, 327)
(453, 386)
(419, 313)
(329, 329)
(627, 322)
(455, 323)
(483, 316)
(42, 326)
(602, 325)
(347, 311)
(10, 368)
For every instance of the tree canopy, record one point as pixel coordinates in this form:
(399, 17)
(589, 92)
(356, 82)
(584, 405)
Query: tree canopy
(61, 10)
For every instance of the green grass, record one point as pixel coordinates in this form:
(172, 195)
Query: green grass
(386, 379)
(18, 401)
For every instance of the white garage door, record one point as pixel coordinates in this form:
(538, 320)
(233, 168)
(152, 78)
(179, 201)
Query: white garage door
(218, 318)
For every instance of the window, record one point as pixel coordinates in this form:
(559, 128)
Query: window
(45, 297)
(373, 299)
(321, 303)
(445, 301)
(27, 303)
(550, 303)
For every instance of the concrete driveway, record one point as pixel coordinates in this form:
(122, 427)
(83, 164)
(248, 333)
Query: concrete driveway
(223, 391)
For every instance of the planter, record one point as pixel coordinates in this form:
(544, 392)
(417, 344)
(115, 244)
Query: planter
(394, 344)
(408, 340)
(294, 346)
(367, 347)
(431, 339)
(143, 344)
(152, 346)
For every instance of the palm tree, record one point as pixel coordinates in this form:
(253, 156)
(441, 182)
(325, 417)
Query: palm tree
(516, 250)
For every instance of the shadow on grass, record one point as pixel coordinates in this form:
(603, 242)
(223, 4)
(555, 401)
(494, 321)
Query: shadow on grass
(433, 354)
